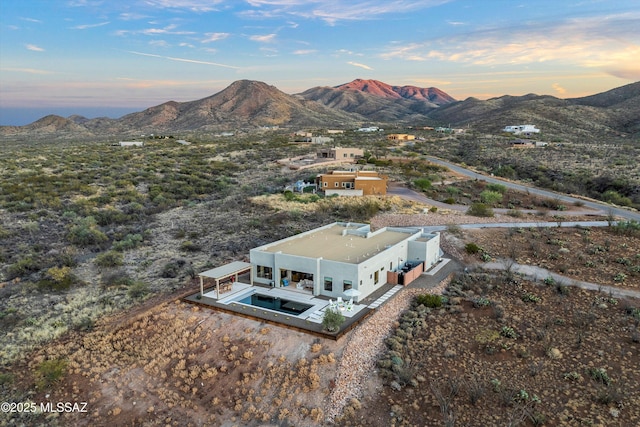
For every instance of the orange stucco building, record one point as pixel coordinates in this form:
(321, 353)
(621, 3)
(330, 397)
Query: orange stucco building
(364, 182)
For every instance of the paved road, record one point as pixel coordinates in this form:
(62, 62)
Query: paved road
(408, 194)
(623, 213)
(538, 274)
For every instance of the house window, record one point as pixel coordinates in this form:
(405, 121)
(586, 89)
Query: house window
(265, 272)
(325, 183)
(344, 155)
(347, 284)
(336, 183)
(328, 284)
(376, 277)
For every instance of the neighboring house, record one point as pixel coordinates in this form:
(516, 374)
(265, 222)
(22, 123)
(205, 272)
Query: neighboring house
(334, 131)
(521, 129)
(354, 183)
(527, 143)
(400, 137)
(338, 153)
(332, 259)
(131, 143)
(370, 129)
(441, 129)
(321, 139)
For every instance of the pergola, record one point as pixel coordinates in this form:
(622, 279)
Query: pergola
(218, 274)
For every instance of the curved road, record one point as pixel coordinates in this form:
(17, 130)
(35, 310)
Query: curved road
(627, 214)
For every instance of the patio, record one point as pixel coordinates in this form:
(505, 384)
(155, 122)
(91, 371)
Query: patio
(309, 322)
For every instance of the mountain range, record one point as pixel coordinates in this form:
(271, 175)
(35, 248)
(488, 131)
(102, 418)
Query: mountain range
(249, 104)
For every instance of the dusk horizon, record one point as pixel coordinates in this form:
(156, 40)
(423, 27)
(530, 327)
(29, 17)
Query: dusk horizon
(96, 58)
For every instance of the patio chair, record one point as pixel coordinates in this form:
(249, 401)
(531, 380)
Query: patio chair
(349, 306)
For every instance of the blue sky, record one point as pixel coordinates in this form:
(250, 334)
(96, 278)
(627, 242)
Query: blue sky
(110, 57)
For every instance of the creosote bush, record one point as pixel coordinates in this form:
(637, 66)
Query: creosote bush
(50, 371)
(429, 300)
(109, 259)
(480, 209)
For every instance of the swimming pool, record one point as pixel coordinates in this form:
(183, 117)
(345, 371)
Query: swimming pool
(281, 305)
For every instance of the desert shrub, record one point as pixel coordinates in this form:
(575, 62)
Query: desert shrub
(117, 278)
(85, 324)
(627, 227)
(472, 248)
(138, 290)
(529, 297)
(612, 196)
(171, 269)
(480, 209)
(490, 197)
(62, 276)
(423, 184)
(508, 332)
(6, 378)
(190, 246)
(429, 300)
(23, 267)
(620, 277)
(505, 171)
(131, 241)
(85, 233)
(610, 394)
(498, 188)
(481, 302)
(332, 320)
(109, 259)
(599, 375)
(562, 289)
(49, 372)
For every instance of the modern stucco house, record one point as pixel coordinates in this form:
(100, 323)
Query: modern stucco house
(352, 183)
(337, 257)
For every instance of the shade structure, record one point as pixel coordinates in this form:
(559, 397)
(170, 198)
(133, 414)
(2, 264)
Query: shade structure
(351, 293)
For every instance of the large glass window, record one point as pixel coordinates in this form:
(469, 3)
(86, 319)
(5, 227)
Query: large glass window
(265, 272)
(347, 284)
(328, 284)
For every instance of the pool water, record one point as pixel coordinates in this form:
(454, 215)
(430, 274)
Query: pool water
(276, 304)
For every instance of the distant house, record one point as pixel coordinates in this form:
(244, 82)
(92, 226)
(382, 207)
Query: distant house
(525, 130)
(527, 143)
(400, 137)
(334, 131)
(370, 129)
(441, 129)
(131, 143)
(352, 183)
(338, 153)
(339, 257)
(321, 139)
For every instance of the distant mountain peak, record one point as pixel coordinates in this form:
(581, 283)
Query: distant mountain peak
(381, 89)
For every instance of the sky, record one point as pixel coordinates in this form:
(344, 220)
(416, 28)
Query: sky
(112, 57)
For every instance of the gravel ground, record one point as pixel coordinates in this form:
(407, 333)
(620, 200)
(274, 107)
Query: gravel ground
(364, 346)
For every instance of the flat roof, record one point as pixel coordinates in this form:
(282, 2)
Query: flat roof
(330, 243)
(226, 270)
